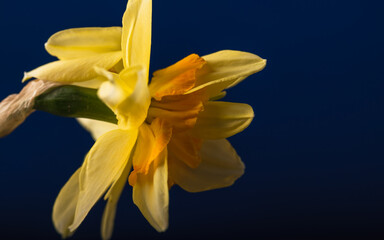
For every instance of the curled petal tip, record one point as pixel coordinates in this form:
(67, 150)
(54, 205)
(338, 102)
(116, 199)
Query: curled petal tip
(162, 228)
(264, 61)
(25, 77)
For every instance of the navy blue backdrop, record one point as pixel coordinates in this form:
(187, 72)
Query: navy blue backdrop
(314, 152)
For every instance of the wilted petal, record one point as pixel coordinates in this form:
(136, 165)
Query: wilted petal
(103, 165)
(222, 119)
(17, 107)
(136, 38)
(150, 193)
(225, 69)
(65, 205)
(220, 166)
(74, 70)
(83, 42)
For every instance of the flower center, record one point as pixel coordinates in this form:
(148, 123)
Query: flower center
(168, 88)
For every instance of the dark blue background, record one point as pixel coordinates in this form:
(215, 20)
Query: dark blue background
(314, 152)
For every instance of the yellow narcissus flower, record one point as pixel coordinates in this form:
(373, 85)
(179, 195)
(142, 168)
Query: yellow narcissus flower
(169, 131)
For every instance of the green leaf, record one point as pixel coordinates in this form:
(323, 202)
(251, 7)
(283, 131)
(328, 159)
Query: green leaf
(75, 102)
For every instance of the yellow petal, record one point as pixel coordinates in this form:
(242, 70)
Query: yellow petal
(107, 222)
(185, 148)
(179, 110)
(151, 141)
(218, 97)
(222, 119)
(65, 205)
(177, 78)
(220, 167)
(95, 127)
(127, 95)
(111, 91)
(75, 70)
(150, 193)
(225, 69)
(103, 165)
(83, 42)
(136, 38)
(93, 83)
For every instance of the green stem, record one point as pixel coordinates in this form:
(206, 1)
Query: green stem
(75, 102)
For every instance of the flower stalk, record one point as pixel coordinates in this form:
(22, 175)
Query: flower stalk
(15, 108)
